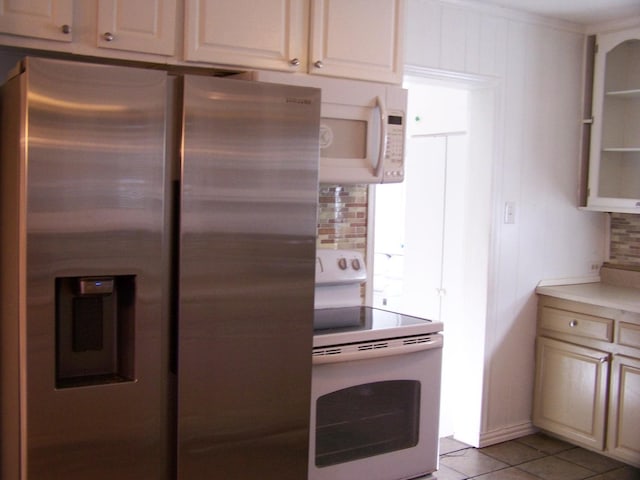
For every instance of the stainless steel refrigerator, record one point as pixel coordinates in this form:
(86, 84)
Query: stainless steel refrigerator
(158, 239)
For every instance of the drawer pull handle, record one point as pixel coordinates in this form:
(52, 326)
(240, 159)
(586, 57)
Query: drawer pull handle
(573, 323)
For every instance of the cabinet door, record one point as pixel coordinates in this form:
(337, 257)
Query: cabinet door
(570, 391)
(615, 136)
(624, 410)
(142, 26)
(270, 34)
(357, 39)
(47, 19)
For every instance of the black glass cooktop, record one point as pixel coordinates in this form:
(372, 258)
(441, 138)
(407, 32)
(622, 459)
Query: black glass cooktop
(357, 321)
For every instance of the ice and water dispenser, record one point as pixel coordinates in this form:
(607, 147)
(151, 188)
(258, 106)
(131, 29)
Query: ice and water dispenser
(94, 330)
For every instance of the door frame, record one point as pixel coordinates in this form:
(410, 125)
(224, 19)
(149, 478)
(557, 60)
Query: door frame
(485, 95)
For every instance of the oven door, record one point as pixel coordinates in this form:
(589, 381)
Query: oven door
(375, 409)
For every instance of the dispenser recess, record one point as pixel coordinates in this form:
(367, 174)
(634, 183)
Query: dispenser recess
(95, 320)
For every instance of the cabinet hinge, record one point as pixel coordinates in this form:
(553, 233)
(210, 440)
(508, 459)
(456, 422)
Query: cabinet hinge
(595, 48)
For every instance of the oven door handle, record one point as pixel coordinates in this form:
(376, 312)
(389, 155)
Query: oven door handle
(373, 352)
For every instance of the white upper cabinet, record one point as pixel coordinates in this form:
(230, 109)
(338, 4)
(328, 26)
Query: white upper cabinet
(357, 39)
(269, 34)
(146, 26)
(44, 19)
(614, 170)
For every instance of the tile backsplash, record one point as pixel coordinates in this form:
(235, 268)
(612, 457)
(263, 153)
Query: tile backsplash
(625, 239)
(342, 223)
(342, 217)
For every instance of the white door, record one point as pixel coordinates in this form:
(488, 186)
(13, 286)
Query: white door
(414, 236)
(48, 19)
(146, 26)
(424, 219)
(420, 242)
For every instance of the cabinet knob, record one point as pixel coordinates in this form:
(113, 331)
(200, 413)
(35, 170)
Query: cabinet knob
(603, 359)
(66, 29)
(294, 62)
(573, 323)
(319, 64)
(108, 37)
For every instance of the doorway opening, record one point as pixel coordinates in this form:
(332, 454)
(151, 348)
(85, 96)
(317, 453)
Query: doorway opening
(431, 235)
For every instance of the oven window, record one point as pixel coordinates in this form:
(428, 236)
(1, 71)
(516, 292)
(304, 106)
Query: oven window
(367, 420)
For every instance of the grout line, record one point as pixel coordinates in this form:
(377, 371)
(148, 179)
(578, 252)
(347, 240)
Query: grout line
(592, 473)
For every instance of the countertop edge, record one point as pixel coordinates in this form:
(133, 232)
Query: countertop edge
(569, 281)
(595, 293)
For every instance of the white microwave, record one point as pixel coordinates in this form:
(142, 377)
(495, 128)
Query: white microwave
(362, 127)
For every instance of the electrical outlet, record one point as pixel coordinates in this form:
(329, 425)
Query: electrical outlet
(594, 267)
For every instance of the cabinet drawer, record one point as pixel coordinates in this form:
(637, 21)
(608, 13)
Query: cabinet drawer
(579, 324)
(629, 335)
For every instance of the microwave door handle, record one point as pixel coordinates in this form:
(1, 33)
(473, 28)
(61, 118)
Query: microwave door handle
(383, 137)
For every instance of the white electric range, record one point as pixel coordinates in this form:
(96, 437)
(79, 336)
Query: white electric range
(376, 381)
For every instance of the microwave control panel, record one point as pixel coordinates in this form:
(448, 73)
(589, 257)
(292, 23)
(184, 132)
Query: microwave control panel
(393, 163)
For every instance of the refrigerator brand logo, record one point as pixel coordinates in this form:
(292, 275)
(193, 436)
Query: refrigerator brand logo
(302, 101)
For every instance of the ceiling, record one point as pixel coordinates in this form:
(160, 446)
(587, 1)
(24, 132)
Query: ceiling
(586, 12)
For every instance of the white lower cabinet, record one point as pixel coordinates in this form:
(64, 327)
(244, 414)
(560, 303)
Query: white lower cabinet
(624, 409)
(571, 382)
(587, 382)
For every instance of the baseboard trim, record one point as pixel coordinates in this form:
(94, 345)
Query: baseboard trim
(507, 433)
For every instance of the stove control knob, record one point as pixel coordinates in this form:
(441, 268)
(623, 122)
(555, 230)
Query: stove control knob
(342, 263)
(355, 264)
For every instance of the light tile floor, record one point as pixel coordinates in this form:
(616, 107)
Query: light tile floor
(533, 457)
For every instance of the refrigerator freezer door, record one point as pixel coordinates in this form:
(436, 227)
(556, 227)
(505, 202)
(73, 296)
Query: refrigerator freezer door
(248, 225)
(88, 202)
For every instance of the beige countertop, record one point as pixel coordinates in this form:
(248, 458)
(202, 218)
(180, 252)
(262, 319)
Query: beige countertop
(619, 287)
(597, 293)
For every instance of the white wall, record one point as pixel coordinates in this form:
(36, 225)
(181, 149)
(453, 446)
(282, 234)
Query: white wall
(537, 65)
